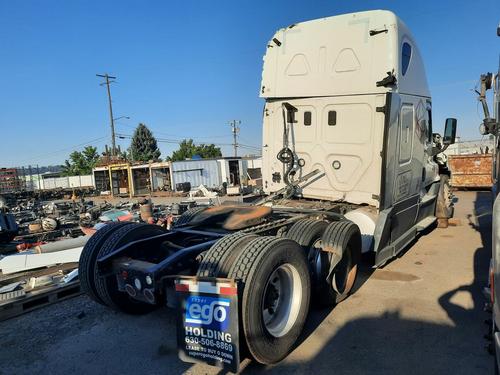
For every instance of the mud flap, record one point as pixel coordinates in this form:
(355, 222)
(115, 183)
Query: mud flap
(207, 321)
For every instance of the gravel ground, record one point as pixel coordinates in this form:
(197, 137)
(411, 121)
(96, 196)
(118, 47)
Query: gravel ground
(421, 314)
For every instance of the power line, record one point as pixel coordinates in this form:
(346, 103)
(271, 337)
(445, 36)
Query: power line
(245, 140)
(156, 131)
(249, 147)
(112, 120)
(71, 148)
(177, 141)
(178, 135)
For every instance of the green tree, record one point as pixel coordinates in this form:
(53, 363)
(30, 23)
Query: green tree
(143, 146)
(81, 162)
(187, 149)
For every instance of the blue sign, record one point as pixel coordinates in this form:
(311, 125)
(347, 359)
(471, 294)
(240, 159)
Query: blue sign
(207, 321)
(209, 312)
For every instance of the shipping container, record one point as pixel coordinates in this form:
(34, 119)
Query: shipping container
(471, 171)
(197, 172)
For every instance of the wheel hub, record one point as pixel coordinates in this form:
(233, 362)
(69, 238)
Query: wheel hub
(281, 300)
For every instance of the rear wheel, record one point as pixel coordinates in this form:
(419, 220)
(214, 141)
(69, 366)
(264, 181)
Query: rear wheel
(341, 243)
(307, 232)
(275, 296)
(218, 260)
(87, 271)
(107, 287)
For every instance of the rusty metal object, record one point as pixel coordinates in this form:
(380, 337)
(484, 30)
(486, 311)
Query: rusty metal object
(471, 171)
(244, 217)
(27, 245)
(217, 210)
(234, 216)
(212, 213)
(349, 283)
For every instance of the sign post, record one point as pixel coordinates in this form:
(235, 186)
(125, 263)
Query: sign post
(207, 321)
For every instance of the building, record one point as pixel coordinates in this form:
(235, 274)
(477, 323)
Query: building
(213, 173)
(10, 180)
(126, 179)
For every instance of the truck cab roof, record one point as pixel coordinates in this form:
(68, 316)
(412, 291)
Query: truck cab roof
(343, 55)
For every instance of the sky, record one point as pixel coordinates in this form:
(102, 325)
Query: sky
(187, 68)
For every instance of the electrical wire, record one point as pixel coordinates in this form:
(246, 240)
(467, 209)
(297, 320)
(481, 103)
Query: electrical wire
(169, 135)
(177, 141)
(71, 148)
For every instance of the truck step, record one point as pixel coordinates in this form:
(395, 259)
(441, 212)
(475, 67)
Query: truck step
(422, 224)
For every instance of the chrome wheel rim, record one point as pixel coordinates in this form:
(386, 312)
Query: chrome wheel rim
(281, 300)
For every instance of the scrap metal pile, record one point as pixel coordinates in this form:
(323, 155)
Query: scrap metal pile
(41, 243)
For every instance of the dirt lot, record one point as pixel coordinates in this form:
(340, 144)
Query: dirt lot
(421, 314)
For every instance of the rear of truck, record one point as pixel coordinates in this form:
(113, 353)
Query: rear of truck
(347, 106)
(344, 114)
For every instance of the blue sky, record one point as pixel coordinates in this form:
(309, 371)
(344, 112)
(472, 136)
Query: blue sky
(185, 68)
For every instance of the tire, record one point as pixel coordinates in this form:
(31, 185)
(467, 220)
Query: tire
(187, 216)
(341, 243)
(87, 270)
(107, 287)
(306, 232)
(272, 270)
(444, 209)
(218, 260)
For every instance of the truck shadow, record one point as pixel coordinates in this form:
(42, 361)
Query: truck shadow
(318, 314)
(388, 344)
(481, 221)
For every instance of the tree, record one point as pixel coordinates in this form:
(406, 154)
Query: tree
(187, 149)
(143, 146)
(81, 162)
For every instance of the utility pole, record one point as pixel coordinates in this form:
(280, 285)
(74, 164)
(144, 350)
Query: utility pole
(113, 143)
(235, 128)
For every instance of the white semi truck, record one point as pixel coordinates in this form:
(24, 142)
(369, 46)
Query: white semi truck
(349, 167)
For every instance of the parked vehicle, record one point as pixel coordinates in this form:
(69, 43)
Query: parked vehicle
(350, 166)
(491, 125)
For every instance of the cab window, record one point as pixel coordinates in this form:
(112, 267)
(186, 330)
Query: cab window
(406, 133)
(405, 57)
